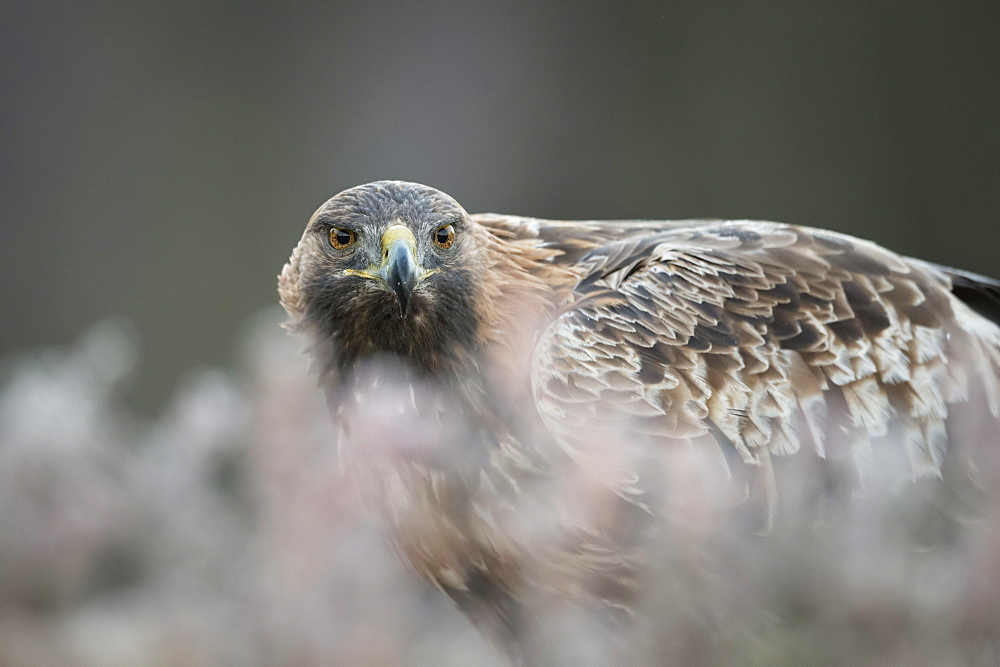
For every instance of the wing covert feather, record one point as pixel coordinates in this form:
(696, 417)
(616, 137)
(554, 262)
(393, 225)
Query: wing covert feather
(768, 336)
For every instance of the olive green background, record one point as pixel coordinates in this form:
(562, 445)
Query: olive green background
(159, 160)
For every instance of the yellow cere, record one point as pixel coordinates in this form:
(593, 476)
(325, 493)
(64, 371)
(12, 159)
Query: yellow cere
(398, 233)
(390, 236)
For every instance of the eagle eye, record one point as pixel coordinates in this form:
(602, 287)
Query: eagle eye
(445, 236)
(340, 237)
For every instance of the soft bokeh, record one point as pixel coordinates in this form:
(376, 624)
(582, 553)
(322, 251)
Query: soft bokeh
(169, 490)
(225, 533)
(160, 159)
(221, 533)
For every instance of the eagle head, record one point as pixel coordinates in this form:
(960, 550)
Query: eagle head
(388, 268)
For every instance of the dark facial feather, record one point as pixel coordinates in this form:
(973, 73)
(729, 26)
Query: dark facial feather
(354, 316)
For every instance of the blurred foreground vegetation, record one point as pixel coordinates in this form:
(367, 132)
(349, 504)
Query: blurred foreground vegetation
(222, 533)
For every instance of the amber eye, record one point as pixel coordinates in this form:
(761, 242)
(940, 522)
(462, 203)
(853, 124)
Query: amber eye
(445, 236)
(341, 238)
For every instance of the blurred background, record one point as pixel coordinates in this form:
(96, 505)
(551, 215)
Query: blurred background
(160, 160)
(166, 490)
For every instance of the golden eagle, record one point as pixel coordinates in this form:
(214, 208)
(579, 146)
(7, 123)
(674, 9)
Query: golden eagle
(560, 375)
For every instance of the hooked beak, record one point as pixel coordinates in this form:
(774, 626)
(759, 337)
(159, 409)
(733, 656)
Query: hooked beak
(399, 269)
(399, 272)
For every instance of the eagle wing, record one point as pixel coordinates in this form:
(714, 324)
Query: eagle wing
(572, 239)
(757, 339)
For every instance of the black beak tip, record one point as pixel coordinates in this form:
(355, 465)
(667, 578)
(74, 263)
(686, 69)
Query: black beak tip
(402, 278)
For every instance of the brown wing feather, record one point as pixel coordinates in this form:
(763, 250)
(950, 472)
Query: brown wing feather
(575, 238)
(763, 337)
